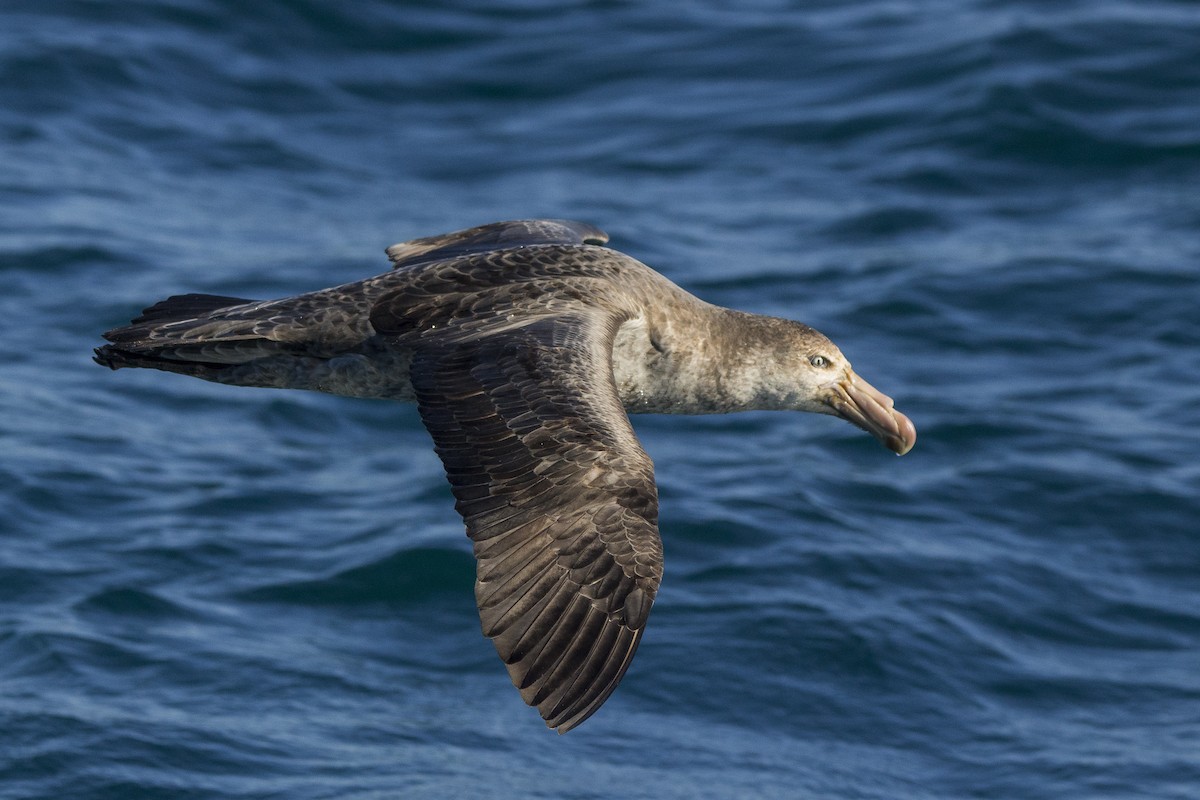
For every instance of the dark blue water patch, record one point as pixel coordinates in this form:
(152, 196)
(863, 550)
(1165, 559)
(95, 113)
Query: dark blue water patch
(149, 761)
(125, 602)
(407, 577)
(49, 260)
(63, 74)
(887, 223)
(59, 658)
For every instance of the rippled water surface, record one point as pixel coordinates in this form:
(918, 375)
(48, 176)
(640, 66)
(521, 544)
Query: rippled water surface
(993, 207)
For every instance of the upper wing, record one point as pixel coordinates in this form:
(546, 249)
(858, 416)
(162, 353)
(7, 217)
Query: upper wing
(495, 236)
(558, 497)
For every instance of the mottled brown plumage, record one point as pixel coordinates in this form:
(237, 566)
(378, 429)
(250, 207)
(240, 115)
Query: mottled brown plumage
(524, 345)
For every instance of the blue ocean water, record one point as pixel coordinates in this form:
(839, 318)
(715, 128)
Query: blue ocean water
(993, 207)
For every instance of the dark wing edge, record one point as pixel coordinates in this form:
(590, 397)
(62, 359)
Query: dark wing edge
(494, 236)
(558, 497)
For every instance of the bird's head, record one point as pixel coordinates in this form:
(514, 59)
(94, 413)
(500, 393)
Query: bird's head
(818, 378)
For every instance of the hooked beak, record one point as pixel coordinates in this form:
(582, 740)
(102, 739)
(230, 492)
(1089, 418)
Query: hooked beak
(857, 401)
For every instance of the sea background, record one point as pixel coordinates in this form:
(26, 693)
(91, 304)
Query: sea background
(993, 207)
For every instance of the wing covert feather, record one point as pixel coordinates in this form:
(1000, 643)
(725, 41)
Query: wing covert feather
(494, 236)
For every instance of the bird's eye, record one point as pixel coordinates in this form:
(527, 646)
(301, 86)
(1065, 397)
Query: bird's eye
(820, 362)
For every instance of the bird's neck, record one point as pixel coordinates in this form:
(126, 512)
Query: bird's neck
(687, 362)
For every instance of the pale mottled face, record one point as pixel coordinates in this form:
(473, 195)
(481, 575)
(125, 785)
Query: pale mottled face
(816, 364)
(819, 378)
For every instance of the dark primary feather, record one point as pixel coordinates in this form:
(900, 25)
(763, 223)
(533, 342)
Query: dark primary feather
(558, 497)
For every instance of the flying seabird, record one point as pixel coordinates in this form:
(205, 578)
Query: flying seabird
(525, 345)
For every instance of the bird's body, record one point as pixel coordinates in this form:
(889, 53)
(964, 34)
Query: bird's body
(524, 345)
